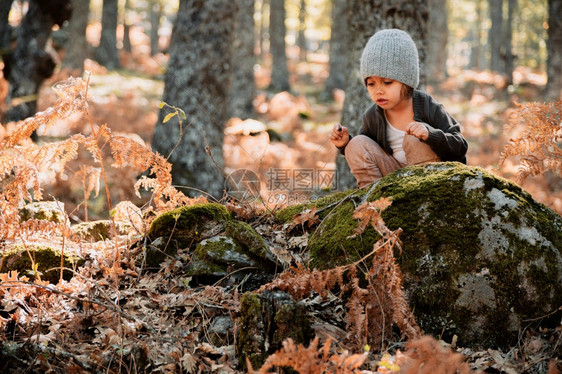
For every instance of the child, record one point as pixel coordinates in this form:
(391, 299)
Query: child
(404, 126)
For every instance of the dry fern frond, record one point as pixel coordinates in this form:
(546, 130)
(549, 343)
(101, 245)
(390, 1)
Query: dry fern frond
(427, 356)
(370, 310)
(539, 145)
(370, 213)
(312, 359)
(72, 98)
(300, 282)
(125, 212)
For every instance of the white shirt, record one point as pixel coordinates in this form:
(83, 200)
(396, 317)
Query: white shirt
(395, 138)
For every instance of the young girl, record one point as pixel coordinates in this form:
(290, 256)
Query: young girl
(404, 126)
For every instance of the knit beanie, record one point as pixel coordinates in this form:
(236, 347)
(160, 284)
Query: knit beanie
(391, 54)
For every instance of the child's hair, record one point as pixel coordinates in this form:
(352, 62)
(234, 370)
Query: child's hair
(391, 54)
(406, 92)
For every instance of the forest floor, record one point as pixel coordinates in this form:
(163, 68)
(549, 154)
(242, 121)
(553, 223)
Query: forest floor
(111, 319)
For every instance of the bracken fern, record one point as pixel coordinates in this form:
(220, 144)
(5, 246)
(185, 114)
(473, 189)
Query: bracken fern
(539, 145)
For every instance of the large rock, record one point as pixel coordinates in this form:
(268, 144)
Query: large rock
(217, 245)
(480, 257)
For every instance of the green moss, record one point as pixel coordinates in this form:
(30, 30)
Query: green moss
(330, 246)
(185, 227)
(286, 215)
(17, 258)
(44, 210)
(247, 237)
(250, 342)
(185, 223)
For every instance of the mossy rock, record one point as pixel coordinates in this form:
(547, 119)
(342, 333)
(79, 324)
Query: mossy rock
(45, 210)
(217, 244)
(183, 228)
(98, 230)
(18, 258)
(479, 255)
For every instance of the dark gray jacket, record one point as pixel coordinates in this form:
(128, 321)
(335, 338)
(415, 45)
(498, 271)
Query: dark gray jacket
(445, 137)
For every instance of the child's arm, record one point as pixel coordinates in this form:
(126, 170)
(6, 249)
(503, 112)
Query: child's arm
(444, 135)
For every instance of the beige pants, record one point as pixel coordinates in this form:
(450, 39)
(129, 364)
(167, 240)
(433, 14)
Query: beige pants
(369, 162)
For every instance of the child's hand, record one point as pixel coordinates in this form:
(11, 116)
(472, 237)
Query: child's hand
(418, 130)
(339, 135)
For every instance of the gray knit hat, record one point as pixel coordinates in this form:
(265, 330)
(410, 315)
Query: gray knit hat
(391, 54)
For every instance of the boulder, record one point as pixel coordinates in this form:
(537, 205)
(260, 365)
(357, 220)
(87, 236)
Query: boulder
(217, 245)
(480, 257)
(17, 257)
(45, 210)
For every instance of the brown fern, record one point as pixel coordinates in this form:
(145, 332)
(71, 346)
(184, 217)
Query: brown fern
(539, 144)
(312, 360)
(22, 161)
(370, 310)
(427, 356)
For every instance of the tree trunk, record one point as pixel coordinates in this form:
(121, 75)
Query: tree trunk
(30, 64)
(338, 48)
(476, 54)
(241, 98)
(279, 72)
(437, 44)
(127, 27)
(495, 35)
(5, 28)
(511, 7)
(365, 18)
(107, 53)
(77, 49)
(155, 15)
(264, 28)
(554, 62)
(198, 81)
(301, 38)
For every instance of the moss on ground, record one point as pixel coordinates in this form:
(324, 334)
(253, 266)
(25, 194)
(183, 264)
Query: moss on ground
(45, 257)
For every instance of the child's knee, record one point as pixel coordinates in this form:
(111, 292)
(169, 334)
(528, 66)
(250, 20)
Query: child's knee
(359, 143)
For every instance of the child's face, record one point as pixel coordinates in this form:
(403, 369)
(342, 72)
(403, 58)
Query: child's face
(386, 93)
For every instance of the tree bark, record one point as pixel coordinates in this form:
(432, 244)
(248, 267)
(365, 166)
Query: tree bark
(198, 81)
(301, 38)
(155, 15)
(127, 28)
(107, 53)
(437, 44)
(264, 28)
(338, 48)
(511, 7)
(476, 54)
(495, 35)
(5, 28)
(279, 72)
(554, 61)
(77, 49)
(365, 17)
(30, 64)
(241, 98)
